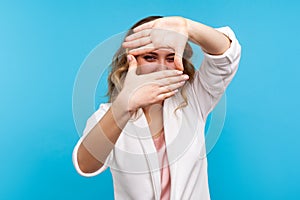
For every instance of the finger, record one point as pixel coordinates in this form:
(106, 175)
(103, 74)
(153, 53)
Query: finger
(164, 96)
(162, 74)
(138, 35)
(171, 87)
(178, 61)
(132, 64)
(137, 43)
(147, 25)
(142, 50)
(173, 80)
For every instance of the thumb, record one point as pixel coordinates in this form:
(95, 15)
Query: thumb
(132, 63)
(178, 61)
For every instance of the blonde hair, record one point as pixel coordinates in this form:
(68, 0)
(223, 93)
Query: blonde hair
(119, 67)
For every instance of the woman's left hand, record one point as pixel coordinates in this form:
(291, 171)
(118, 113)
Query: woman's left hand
(167, 32)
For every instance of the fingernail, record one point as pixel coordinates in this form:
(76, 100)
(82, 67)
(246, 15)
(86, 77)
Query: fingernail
(175, 91)
(179, 72)
(129, 58)
(185, 76)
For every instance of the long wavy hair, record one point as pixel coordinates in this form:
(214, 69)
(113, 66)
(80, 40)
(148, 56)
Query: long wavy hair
(119, 67)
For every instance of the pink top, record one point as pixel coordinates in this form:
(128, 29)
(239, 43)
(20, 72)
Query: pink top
(164, 167)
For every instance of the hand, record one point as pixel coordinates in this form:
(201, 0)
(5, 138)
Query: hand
(146, 89)
(168, 32)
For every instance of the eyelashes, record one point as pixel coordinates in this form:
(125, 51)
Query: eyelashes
(171, 59)
(151, 58)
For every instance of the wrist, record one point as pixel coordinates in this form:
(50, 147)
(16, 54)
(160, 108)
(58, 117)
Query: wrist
(189, 27)
(124, 103)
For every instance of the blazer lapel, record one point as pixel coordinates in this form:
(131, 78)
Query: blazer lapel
(144, 135)
(172, 126)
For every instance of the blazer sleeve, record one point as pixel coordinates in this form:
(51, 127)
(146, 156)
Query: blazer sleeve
(91, 122)
(215, 73)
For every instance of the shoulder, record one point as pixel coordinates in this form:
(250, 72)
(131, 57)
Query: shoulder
(104, 106)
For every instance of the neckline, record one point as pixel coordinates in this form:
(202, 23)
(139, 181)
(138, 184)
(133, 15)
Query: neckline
(159, 136)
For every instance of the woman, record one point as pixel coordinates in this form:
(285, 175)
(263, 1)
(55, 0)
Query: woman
(152, 133)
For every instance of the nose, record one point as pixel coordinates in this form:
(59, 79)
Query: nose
(163, 64)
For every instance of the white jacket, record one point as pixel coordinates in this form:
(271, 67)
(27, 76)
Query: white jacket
(134, 163)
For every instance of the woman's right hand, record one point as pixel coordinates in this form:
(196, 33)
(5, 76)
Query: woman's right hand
(142, 90)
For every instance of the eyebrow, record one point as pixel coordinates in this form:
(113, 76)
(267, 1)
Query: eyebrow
(155, 54)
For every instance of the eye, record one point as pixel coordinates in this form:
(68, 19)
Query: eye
(149, 58)
(170, 59)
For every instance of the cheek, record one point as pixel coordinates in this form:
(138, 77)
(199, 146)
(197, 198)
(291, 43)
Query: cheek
(147, 68)
(171, 65)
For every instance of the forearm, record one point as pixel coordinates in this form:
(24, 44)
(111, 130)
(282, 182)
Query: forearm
(99, 142)
(211, 41)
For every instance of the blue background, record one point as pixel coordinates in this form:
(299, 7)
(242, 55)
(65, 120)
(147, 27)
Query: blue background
(42, 45)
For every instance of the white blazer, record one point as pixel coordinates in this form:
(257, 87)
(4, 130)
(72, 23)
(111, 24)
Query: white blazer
(133, 161)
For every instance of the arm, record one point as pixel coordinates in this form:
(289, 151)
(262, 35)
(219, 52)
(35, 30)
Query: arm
(216, 71)
(210, 40)
(221, 58)
(221, 53)
(101, 139)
